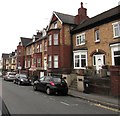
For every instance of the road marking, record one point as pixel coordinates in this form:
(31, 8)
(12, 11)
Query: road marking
(52, 99)
(65, 103)
(74, 104)
(112, 109)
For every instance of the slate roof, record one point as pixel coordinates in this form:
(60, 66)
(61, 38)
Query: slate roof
(101, 18)
(36, 40)
(65, 18)
(25, 41)
(5, 56)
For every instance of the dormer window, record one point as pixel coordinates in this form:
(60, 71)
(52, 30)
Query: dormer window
(44, 33)
(55, 25)
(33, 39)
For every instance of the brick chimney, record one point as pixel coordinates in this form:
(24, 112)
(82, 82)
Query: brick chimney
(82, 14)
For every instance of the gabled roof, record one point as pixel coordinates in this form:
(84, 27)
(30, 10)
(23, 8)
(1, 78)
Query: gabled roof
(65, 18)
(5, 56)
(99, 19)
(25, 41)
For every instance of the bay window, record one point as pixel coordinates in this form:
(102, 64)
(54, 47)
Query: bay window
(80, 59)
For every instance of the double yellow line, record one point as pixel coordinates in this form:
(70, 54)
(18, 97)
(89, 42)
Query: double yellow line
(112, 109)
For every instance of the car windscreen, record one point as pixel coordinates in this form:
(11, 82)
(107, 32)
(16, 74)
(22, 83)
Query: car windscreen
(23, 76)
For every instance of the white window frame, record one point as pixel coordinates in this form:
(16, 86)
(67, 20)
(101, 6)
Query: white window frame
(80, 53)
(97, 35)
(40, 48)
(55, 36)
(38, 62)
(80, 39)
(116, 29)
(28, 63)
(25, 64)
(45, 46)
(49, 61)
(50, 40)
(55, 61)
(114, 48)
(34, 61)
(55, 25)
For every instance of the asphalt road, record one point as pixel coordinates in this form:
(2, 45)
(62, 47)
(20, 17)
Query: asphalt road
(23, 100)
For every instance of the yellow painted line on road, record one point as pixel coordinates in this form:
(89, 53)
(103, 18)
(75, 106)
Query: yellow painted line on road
(112, 109)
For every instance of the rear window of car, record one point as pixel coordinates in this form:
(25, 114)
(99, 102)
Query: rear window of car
(23, 76)
(58, 80)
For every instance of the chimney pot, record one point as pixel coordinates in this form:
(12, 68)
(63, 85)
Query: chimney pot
(81, 4)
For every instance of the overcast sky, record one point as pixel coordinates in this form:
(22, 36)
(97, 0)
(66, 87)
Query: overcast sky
(22, 18)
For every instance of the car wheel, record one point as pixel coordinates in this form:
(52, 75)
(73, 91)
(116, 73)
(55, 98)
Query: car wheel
(14, 81)
(19, 83)
(35, 87)
(48, 91)
(65, 94)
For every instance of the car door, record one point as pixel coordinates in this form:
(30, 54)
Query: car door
(46, 82)
(40, 83)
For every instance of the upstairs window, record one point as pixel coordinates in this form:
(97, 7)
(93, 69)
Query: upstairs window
(97, 35)
(45, 46)
(80, 39)
(50, 40)
(40, 47)
(38, 62)
(55, 39)
(116, 29)
(49, 61)
(28, 63)
(55, 25)
(34, 61)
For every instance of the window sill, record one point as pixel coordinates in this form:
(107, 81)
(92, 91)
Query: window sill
(80, 44)
(97, 41)
(76, 68)
(116, 37)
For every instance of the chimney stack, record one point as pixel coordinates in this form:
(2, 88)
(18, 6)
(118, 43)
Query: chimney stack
(82, 14)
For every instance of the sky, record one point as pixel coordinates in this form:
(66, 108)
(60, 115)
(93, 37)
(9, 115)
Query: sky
(22, 18)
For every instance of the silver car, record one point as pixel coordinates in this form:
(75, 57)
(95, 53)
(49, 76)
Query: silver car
(10, 76)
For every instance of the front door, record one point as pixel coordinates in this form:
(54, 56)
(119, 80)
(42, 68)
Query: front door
(99, 61)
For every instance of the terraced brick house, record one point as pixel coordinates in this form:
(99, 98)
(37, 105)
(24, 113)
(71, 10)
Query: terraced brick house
(59, 43)
(96, 41)
(4, 61)
(21, 52)
(12, 61)
(36, 54)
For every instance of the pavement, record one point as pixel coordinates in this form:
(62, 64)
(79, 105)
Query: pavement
(109, 101)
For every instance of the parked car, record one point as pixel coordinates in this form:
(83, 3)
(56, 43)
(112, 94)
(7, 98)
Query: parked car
(33, 78)
(22, 79)
(10, 76)
(51, 85)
